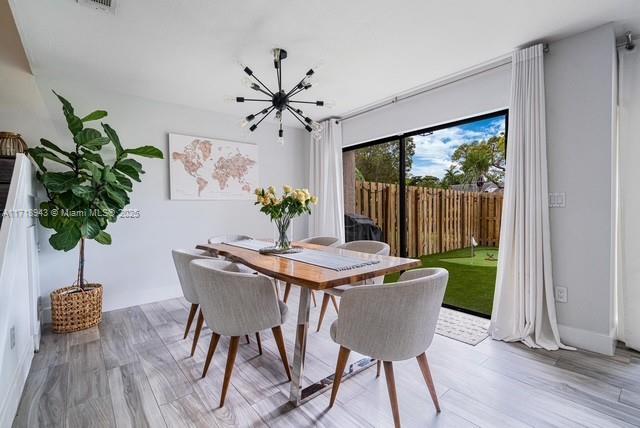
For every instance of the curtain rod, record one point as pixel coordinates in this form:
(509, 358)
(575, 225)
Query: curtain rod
(483, 68)
(628, 42)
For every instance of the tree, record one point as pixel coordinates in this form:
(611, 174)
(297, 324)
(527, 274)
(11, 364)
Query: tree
(452, 176)
(482, 159)
(424, 181)
(381, 162)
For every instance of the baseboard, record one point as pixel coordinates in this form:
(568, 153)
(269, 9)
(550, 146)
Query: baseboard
(9, 407)
(588, 340)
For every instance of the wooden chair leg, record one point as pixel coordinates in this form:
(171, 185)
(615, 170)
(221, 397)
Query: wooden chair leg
(378, 367)
(213, 344)
(277, 333)
(393, 396)
(259, 342)
(192, 315)
(343, 357)
(335, 302)
(323, 308)
(313, 296)
(231, 360)
(196, 335)
(426, 373)
(287, 290)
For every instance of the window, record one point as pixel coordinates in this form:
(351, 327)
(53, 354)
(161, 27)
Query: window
(435, 194)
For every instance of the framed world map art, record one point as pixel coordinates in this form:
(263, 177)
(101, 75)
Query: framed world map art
(211, 169)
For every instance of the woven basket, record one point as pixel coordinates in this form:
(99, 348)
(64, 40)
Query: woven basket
(73, 310)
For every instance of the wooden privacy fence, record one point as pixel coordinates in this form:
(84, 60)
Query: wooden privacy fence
(437, 219)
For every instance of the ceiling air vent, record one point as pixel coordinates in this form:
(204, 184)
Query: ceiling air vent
(106, 5)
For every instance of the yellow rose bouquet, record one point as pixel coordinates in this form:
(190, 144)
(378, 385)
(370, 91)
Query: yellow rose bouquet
(281, 210)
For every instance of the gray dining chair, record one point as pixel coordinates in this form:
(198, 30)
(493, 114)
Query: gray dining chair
(236, 304)
(181, 259)
(391, 322)
(369, 247)
(326, 241)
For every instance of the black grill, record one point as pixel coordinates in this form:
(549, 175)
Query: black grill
(358, 227)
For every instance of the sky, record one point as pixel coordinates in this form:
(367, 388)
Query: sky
(433, 151)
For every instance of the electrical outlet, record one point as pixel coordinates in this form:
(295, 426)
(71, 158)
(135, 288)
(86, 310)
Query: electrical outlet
(12, 336)
(561, 294)
(557, 200)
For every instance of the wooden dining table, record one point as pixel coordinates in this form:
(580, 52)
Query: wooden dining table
(311, 277)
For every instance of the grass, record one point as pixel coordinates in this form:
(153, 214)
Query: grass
(471, 280)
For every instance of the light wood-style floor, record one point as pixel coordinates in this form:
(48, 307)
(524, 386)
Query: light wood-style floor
(135, 371)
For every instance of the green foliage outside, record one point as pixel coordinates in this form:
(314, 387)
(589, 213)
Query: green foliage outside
(85, 192)
(471, 280)
(470, 162)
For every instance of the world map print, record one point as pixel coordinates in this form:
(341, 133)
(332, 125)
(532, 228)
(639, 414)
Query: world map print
(206, 168)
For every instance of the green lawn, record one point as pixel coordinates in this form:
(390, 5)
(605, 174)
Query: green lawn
(471, 280)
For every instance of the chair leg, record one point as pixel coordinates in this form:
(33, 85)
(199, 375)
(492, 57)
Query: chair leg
(426, 373)
(343, 357)
(196, 335)
(231, 359)
(192, 314)
(213, 344)
(259, 342)
(323, 309)
(335, 302)
(313, 296)
(246, 336)
(277, 333)
(393, 396)
(378, 367)
(287, 290)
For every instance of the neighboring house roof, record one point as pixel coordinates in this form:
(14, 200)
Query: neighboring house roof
(488, 187)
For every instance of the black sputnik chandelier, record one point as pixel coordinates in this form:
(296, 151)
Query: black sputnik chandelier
(281, 100)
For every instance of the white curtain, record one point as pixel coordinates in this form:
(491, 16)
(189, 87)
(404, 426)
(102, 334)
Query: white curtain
(325, 181)
(628, 198)
(523, 305)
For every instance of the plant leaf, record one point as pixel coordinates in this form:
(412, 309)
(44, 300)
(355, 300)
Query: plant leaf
(113, 136)
(96, 115)
(146, 151)
(118, 196)
(48, 144)
(103, 238)
(129, 169)
(68, 200)
(93, 157)
(90, 138)
(39, 154)
(90, 227)
(66, 239)
(108, 176)
(59, 182)
(85, 192)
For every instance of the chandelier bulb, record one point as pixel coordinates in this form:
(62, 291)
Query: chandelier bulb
(281, 137)
(244, 123)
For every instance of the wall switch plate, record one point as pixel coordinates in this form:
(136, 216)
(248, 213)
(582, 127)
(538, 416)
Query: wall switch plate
(561, 294)
(557, 200)
(12, 336)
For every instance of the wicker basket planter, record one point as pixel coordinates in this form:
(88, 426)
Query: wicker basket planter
(73, 309)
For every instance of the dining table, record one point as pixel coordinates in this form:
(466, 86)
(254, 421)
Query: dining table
(309, 275)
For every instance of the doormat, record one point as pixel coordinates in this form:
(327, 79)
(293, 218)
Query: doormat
(462, 327)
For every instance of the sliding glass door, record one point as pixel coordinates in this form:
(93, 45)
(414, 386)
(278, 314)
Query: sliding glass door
(436, 195)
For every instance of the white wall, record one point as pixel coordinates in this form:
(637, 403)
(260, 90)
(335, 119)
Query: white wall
(472, 96)
(580, 80)
(137, 267)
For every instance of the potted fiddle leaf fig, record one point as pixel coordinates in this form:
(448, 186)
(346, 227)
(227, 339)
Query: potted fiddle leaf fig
(87, 189)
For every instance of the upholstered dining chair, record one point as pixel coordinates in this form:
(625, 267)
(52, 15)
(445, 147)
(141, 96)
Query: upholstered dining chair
(181, 259)
(326, 241)
(391, 322)
(236, 304)
(369, 247)
(218, 239)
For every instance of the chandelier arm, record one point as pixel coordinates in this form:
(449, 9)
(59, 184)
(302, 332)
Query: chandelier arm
(264, 117)
(279, 71)
(263, 91)
(296, 92)
(295, 114)
(263, 85)
(256, 99)
(305, 102)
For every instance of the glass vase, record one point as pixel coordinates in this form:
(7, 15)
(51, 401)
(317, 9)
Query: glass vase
(282, 234)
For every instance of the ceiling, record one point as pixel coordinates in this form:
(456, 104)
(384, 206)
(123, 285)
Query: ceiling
(188, 51)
